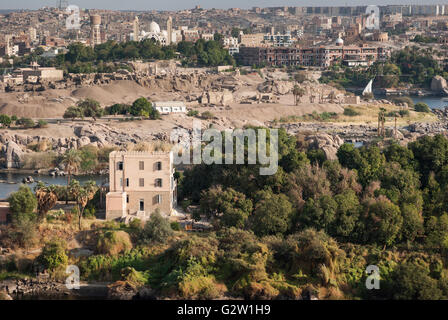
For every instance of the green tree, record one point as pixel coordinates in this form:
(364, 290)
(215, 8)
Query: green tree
(436, 229)
(382, 221)
(413, 282)
(5, 120)
(319, 214)
(412, 222)
(367, 161)
(272, 215)
(71, 161)
(46, 198)
(298, 93)
(347, 214)
(82, 195)
(73, 113)
(22, 203)
(142, 107)
(25, 123)
(229, 206)
(90, 108)
(157, 229)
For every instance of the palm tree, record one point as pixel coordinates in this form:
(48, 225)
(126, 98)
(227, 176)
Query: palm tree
(46, 198)
(298, 93)
(82, 195)
(71, 161)
(381, 121)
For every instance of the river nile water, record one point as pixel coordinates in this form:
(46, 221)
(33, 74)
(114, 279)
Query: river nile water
(11, 181)
(432, 102)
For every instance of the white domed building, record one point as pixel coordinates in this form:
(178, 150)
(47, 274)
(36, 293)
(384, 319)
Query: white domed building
(154, 27)
(339, 42)
(158, 35)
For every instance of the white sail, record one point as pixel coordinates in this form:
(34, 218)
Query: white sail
(368, 88)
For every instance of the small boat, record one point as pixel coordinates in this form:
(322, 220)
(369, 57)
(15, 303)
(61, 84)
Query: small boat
(368, 89)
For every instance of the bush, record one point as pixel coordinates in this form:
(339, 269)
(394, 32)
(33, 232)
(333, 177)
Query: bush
(207, 115)
(157, 229)
(114, 242)
(192, 113)
(53, 255)
(404, 113)
(351, 112)
(25, 123)
(175, 226)
(42, 124)
(422, 107)
(5, 120)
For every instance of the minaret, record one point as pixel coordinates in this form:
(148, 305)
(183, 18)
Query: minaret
(169, 30)
(136, 29)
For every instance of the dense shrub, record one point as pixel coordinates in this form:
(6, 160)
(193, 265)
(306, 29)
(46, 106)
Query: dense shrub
(348, 111)
(53, 255)
(113, 242)
(422, 107)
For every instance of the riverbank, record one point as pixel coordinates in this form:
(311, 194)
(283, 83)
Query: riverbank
(34, 289)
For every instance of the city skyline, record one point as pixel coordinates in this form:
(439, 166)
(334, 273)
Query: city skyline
(186, 4)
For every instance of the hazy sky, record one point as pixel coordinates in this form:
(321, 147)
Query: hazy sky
(186, 4)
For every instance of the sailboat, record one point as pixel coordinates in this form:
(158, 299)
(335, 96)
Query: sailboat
(368, 88)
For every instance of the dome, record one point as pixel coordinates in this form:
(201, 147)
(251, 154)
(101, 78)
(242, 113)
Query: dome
(339, 42)
(154, 27)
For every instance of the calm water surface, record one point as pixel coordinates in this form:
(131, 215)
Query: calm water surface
(11, 181)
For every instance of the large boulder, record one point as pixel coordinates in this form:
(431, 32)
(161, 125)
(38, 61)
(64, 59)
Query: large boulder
(329, 144)
(279, 87)
(83, 141)
(84, 130)
(13, 154)
(438, 84)
(218, 98)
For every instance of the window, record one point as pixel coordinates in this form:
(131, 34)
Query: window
(127, 182)
(142, 205)
(158, 166)
(127, 198)
(120, 166)
(141, 182)
(159, 183)
(157, 199)
(141, 165)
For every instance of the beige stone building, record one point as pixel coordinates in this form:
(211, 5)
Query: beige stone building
(251, 40)
(140, 183)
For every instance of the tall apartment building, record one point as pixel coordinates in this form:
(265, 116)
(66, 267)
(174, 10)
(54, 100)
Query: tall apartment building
(272, 56)
(140, 183)
(278, 40)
